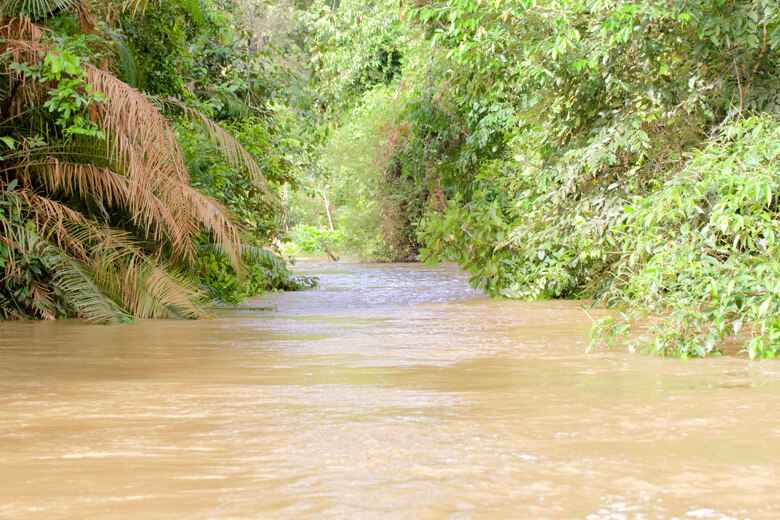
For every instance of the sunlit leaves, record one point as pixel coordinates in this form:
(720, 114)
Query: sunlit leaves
(721, 275)
(611, 101)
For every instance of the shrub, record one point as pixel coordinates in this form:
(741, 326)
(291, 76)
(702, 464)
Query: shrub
(703, 251)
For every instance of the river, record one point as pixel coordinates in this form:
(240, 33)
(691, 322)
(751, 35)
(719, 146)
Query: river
(393, 391)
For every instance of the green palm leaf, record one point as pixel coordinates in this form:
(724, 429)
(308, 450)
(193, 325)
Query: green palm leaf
(35, 9)
(71, 276)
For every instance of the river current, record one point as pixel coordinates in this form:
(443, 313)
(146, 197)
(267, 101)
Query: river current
(393, 391)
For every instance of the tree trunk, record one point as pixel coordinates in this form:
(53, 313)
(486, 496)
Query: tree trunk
(327, 209)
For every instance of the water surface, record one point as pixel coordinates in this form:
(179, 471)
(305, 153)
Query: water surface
(394, 391)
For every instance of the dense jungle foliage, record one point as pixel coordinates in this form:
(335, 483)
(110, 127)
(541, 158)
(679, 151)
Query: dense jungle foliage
(612, 149)
(156, 153)
(140, 164)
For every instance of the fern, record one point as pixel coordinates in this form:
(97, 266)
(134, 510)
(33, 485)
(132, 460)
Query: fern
(127, 67)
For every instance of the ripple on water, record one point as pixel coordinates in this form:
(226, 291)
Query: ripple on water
(394, 391)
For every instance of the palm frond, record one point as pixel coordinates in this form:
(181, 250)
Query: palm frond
(68, 274)
(265, 257)
(82, 292)
(108, 188)
(229, 148)
(55, 218)
(114, 263)
(35, 9)
(141, 136)
(143, 146)
(86, 18)
(148, 290)
(217, 220)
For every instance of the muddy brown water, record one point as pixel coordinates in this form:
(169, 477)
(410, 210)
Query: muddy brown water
(394, 391)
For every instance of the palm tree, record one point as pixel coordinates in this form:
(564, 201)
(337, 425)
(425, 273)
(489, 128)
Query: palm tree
(93, 184)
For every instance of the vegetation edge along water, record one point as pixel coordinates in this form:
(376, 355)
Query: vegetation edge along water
(157, 155)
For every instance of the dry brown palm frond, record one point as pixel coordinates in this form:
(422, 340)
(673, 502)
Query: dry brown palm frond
(118, 268)
(110, 189)
(142, 286)
(42, 300)
(21, 28)
(54, 217)
(66, 273)
(138, 168)
(8, 312)
(231, 150)
(140, 142)
(19, 44)
(71, 231)
(130, 114)
(86, 18)
(11, 271)
(78, 235)
(110, 11)
(143, 145)
(218, 221)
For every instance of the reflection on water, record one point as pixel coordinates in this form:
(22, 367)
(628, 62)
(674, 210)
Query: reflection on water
(394, 391)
